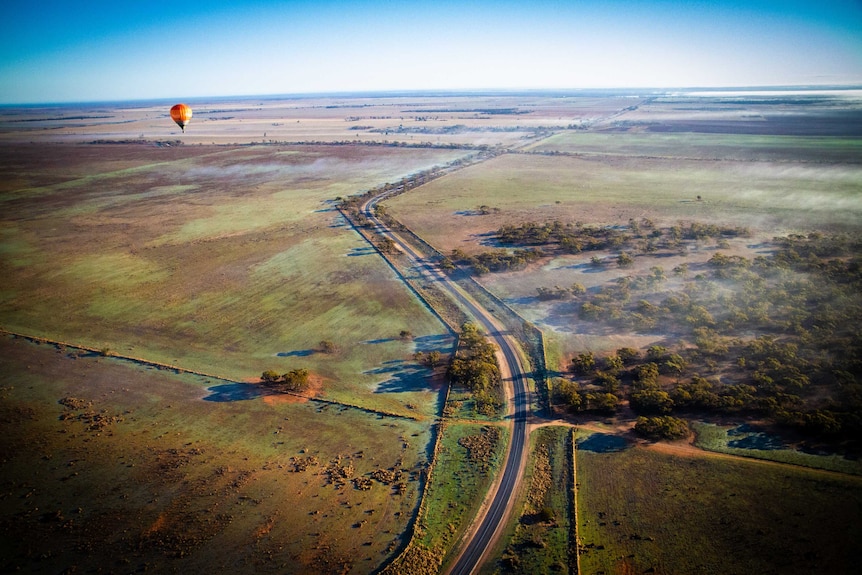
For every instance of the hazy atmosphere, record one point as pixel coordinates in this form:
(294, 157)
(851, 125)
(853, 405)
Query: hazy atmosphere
(58, 51)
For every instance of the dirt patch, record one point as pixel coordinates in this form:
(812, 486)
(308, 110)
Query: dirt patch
(315, 389)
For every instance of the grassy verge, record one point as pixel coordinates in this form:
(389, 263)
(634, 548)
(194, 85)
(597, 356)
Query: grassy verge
(645, 511)
(467, 461)
(537, 540)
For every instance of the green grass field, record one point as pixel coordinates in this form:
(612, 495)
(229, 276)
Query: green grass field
(645, 511)
(740, 147)
(769, 197)
(227, 261)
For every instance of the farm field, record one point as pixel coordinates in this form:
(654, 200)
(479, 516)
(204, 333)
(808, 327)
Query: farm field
(150, 255)
(665, 513)
(110, 466)
(229, 261)
(799, 185)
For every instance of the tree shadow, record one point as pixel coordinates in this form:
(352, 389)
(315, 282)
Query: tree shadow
(403, 378)
(441, 342)
(489, 239)
(297, 353)
(377, 341)
(235, 392)
(603, 443)
(361, 251)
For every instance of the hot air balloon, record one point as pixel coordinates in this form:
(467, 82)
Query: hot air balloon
(181, 114)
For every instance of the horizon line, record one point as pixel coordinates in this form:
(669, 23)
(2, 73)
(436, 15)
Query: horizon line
(644, 90)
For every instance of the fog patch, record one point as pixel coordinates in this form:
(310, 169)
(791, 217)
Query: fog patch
(796, 172)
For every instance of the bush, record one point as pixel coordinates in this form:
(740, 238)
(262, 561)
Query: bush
(661, 427)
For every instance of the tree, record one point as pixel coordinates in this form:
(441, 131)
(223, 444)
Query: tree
(387, 246)
(613, 364)
(609, 382)
(661, 427)
(624, 260)
(584, 363)
(566, 392)
(432, 358)
(327, 346)
(602, 402)
(656, 353)
(647, 376)
(651, 402)
(269, 377)
(474, 366)
(628, 355)
(295, 380)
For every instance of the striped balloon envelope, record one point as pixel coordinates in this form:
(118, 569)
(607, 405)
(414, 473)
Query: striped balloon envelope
(181, 114)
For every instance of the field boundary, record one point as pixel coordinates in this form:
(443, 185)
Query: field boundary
(574, 543)
(177, 369)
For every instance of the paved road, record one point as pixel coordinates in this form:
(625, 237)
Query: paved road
(493, 517)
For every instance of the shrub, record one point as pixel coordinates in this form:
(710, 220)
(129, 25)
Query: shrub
(661, 427)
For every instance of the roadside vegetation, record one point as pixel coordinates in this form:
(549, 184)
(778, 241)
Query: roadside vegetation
(539, 541)
(467, 460)
(474, 367)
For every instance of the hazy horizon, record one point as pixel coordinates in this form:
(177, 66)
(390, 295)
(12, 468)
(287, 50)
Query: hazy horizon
(634, 92)
(57, 52)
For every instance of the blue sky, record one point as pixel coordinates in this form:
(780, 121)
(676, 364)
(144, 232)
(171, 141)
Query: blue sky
(78, 51)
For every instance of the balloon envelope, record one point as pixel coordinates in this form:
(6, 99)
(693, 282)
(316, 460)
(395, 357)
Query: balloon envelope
(181, 114)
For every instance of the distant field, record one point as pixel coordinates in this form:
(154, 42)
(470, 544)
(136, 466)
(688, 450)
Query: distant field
(642, 511)
(770, 198)
(621, 177)
(224, 260)
(438, 120)
(739, 147)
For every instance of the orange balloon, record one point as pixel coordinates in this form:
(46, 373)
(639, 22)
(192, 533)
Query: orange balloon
(181, 114)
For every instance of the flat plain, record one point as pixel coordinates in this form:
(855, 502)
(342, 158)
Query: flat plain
(158, 274)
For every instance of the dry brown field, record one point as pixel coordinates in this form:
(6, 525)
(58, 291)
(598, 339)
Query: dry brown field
(414, 120)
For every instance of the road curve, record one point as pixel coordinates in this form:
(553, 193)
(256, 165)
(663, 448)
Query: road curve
(492, 518)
